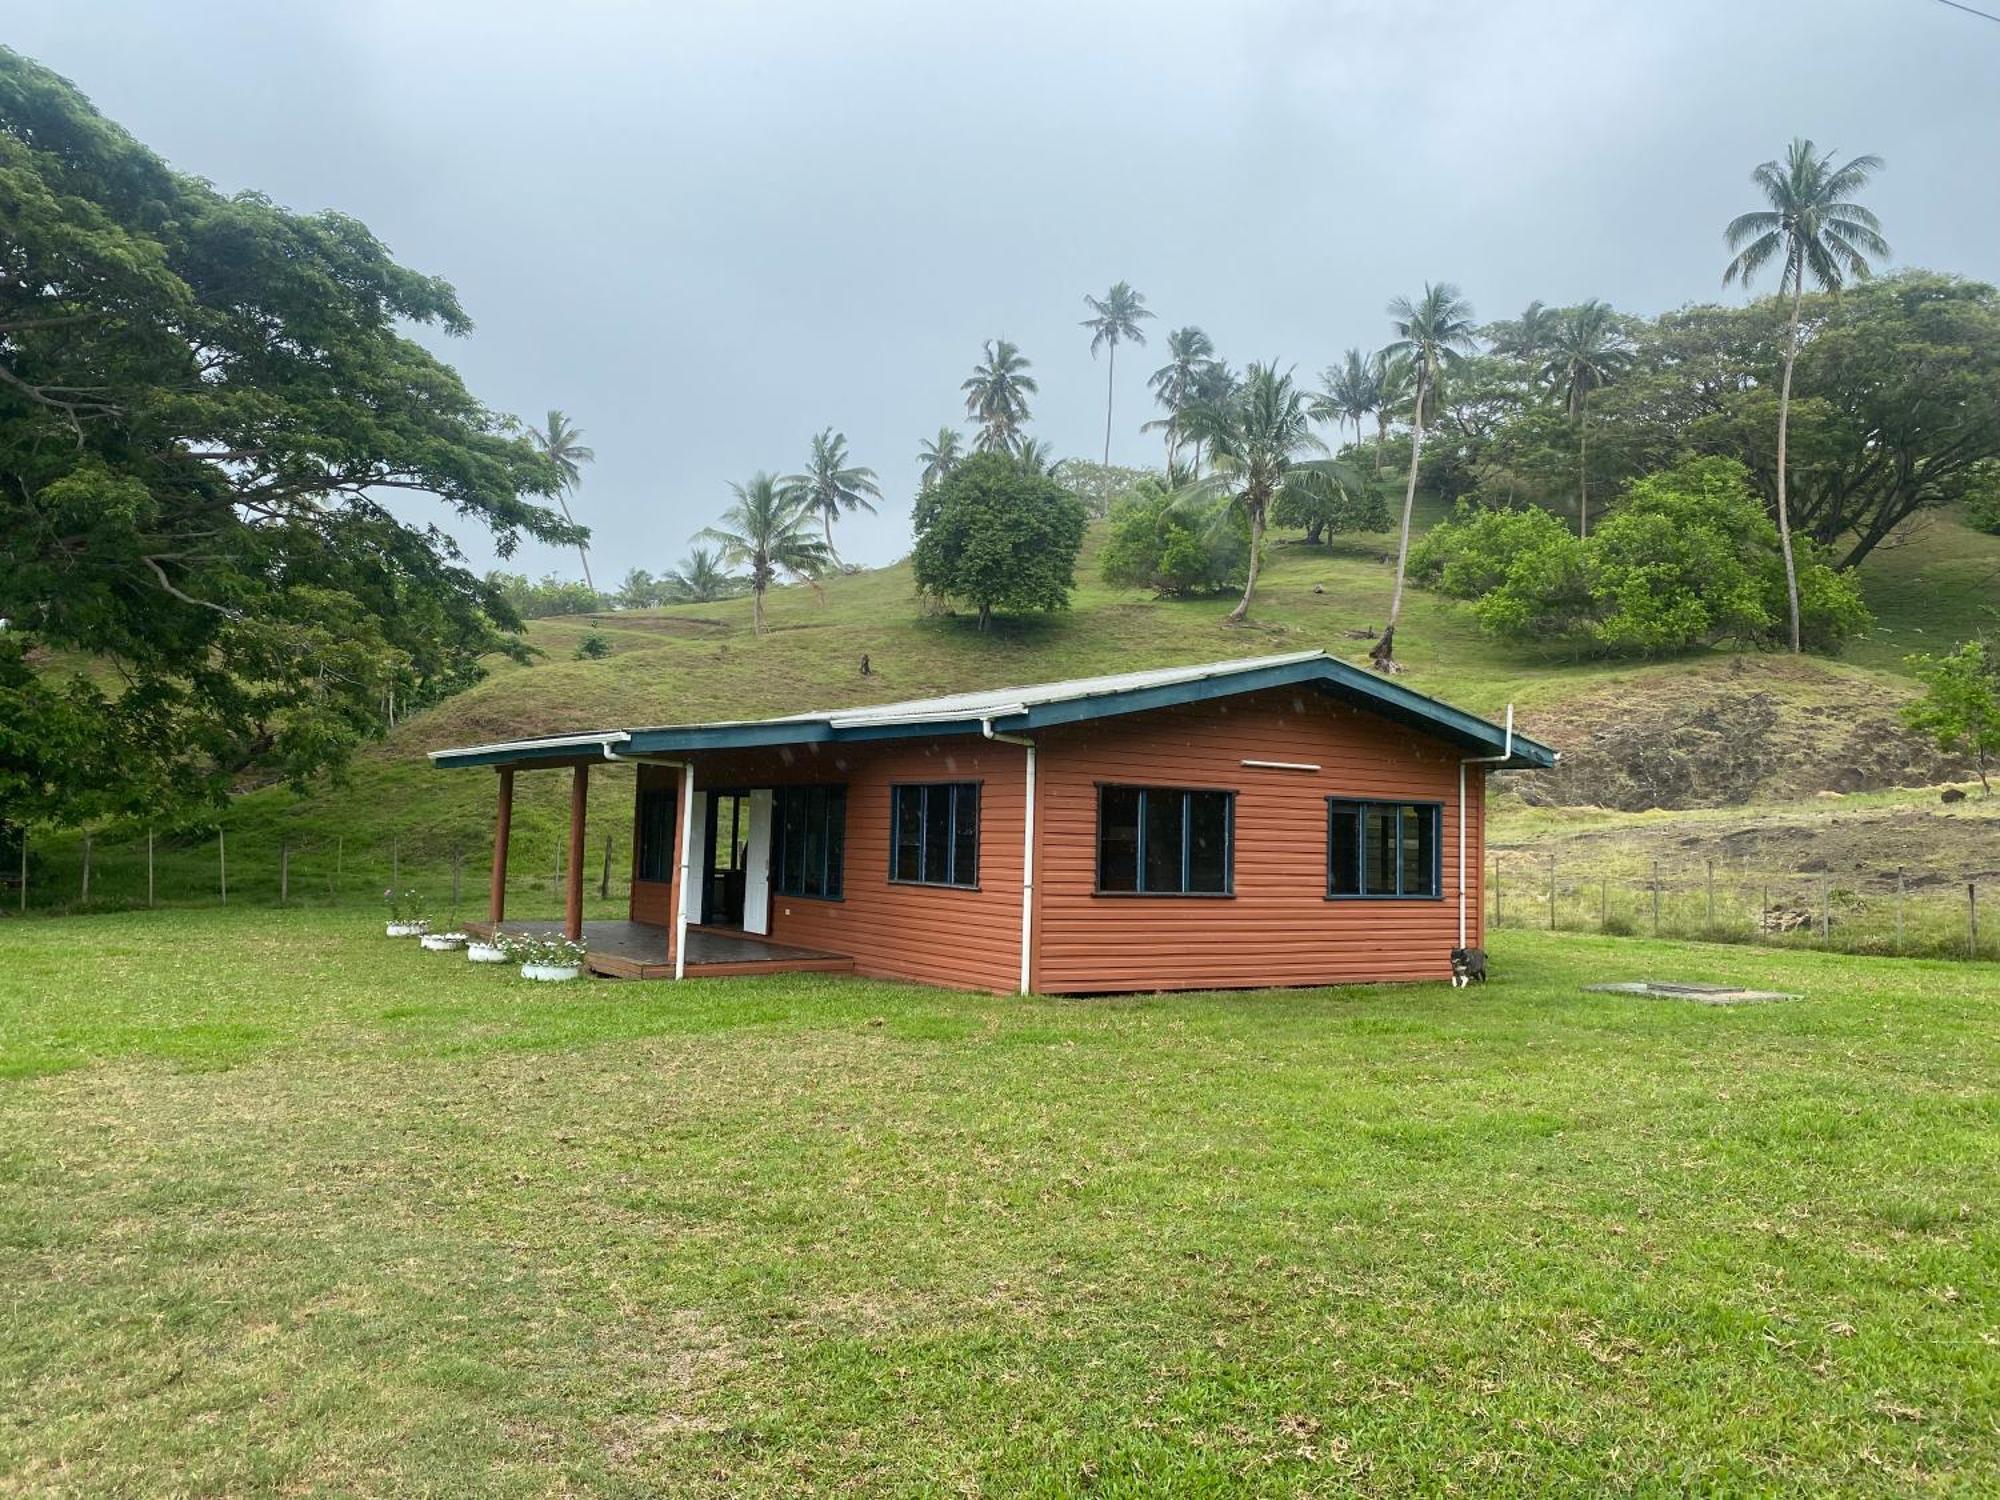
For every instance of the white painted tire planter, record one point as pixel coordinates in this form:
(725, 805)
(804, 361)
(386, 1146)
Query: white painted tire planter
(485, 953)
(406, 929)
(551, 973)
(442, 942)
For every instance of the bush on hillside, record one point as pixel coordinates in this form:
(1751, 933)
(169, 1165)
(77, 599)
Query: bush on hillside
(593, 647)
(539, 599)
(1322, 506)
(1688, 558)
(1982, 500)
(1175, 543)
(998, 534)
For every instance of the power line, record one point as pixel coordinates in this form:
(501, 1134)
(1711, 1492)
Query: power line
(1982, 14)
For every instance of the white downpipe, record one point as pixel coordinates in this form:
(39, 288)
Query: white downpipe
(687, 870)
(1027, 853)
(1475, 760)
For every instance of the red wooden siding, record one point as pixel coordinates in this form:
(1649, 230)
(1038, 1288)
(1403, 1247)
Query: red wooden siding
(1278, 928)
(966, 938)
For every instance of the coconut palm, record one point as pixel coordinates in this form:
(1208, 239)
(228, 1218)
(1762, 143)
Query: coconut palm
(1114, 318)
(1435, 332)
(996, 395)
(1036, 457)
(1395, 377)
(1215, 384)
(701, 577)
(830, 484)
(769, 531)
(1586, 350)
(1257, 437)
(561, 444)
(1527, 338)
(1176, 383)
(940, 455)
(1815, 226)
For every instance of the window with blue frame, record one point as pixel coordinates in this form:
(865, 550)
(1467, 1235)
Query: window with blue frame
(1378, 849)
(934, 833)
(1165, 841)
(811, 824)
(655, 857)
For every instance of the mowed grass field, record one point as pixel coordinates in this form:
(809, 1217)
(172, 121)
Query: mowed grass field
(288, 1208)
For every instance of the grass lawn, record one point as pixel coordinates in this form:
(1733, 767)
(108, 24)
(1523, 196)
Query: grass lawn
(287, 1207)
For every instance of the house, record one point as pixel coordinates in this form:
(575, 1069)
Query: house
(1284, 820)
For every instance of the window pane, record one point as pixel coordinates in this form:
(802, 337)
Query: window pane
(909, 834)
(792, 838)
(1378, 838)
(835, 838)
(1344, 844)
(937, 834)
(1419, 851)
(965, 836)
(1118, 838)
(1208, 841)
(656, 835)
(813, 880)
(1163, 847)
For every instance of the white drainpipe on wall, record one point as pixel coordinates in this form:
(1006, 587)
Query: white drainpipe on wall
(1027, 852)
(1475, 760)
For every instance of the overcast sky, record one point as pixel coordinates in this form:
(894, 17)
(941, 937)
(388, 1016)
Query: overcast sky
(708, 229)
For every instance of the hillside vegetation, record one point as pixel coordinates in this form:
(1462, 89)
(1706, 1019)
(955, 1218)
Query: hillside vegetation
(1715, 729)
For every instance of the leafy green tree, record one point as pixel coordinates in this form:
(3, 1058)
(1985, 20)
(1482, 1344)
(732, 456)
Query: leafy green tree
(996, 395)
(1434, 333)
(641, 590)
(768, 531)
(701, 578)
(1098, 487)
(204, 402)
(1114, 318)
(1687, 559)
(830, 484)
(1258, 438)
(1175, 542)
(1982, 500)
(1586, 350)
(1526, 339)
(541, 598)
(939, 456)
(1811, 226)
(561, 442)
(998, 535)
(1324, 503)
(1960, 708)
(1176, 385)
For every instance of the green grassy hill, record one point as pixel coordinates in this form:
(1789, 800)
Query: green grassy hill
(1715, 729)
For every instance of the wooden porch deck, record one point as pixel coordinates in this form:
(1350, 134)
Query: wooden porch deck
(638, 950)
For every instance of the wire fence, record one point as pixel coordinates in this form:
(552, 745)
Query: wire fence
(1883, 911)
(449, 872)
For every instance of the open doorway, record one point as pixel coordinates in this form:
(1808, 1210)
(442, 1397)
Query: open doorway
(726, 847)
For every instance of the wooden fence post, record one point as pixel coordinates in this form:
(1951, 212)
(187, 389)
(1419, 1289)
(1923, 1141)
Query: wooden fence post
(149, 867)
(1496, 889)
(83, 896)
(1899, 908)
(604, 880)
(1711, 898)
(24, 869)
(1825, 917)
(1764, 911)
(555, 882)
(1603, 904)
(1972, 918)
(222, 864)
(284, 874)
(457, 870)
(1656, 898)
(1552, 888)
(395, 862)
(339, 858)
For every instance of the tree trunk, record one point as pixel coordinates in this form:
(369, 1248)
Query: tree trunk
(1384, 652)
(1242, 611)
(1381, 437)
(985, 615)
(1110, 374)
(1583, 465)
(826, 527)
(581, 555)
(1784, 427)
(757, 609)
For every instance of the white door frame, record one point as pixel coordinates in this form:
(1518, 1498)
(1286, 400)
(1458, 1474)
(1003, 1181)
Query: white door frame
(757, 865)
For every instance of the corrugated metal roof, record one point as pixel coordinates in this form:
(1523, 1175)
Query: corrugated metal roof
(1036, 705)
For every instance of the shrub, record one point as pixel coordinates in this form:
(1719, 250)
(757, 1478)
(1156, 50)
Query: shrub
(1176, 544)
(1982, 500)
(1000, 535)
(593, 647)
(1688, 558)
(1961, 707)
(404, 905)
(541, 948)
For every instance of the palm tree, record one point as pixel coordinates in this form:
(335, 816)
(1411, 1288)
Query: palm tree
(560, 442)
(831, 485)
(940, 456)
(1395, 376)
(1529, 337)
(1215, 384)
(701, 578)
(1586, 351)
(1176, 383)
(1036, 457)
(1356, 388)
(771, 535)
(1113, 318)
(1435, 332)
(1256, 436)
(1815, 226)
(997, 395)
